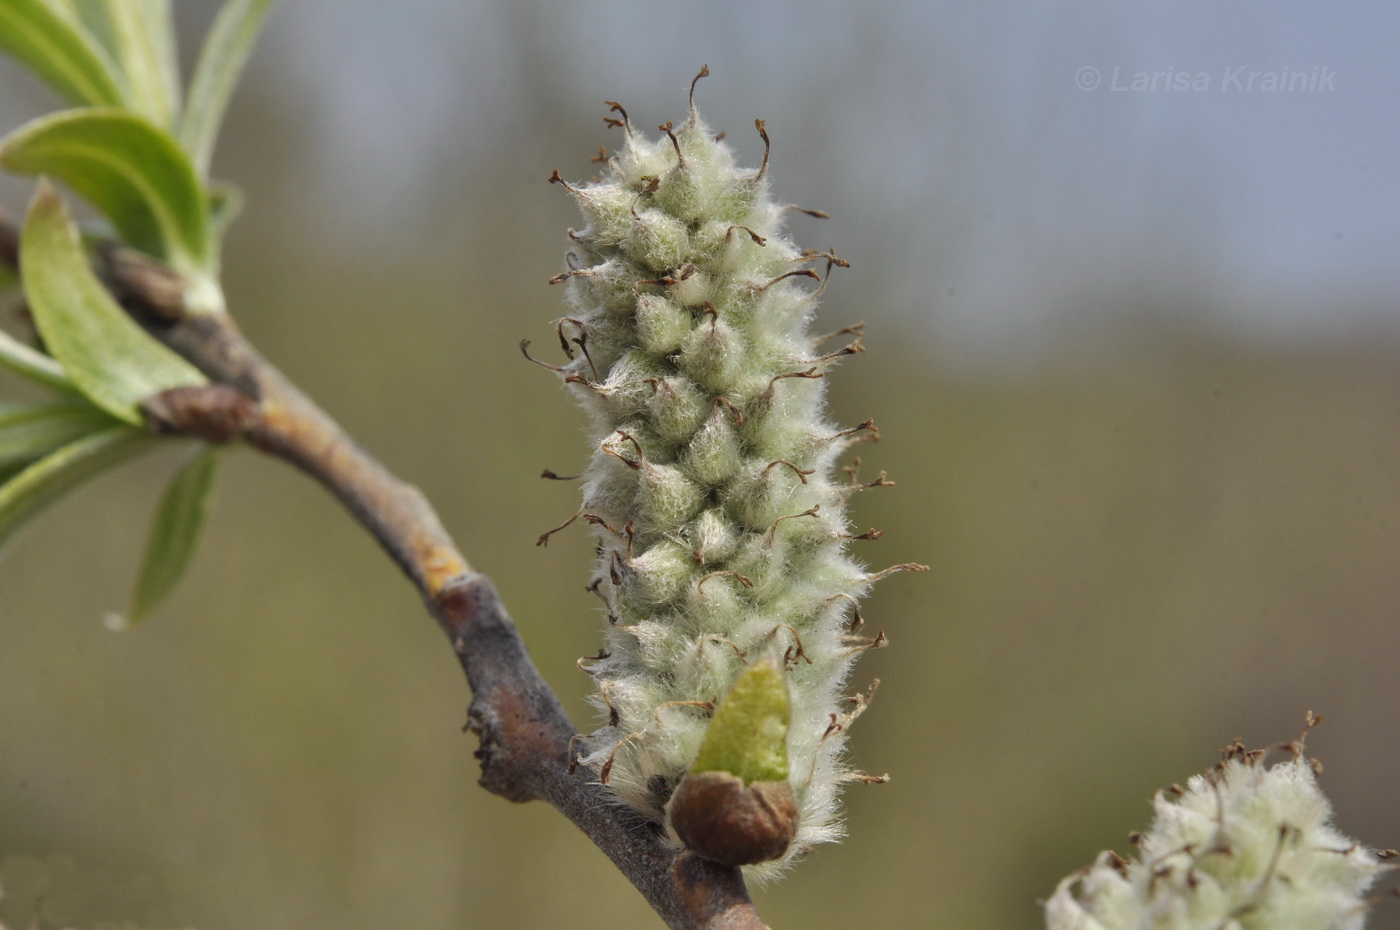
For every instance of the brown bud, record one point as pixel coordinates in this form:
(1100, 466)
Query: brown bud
(721, 819)
(213, 412)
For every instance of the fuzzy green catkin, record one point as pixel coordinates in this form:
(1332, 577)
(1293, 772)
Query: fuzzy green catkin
(1243, 847)
(721, 534)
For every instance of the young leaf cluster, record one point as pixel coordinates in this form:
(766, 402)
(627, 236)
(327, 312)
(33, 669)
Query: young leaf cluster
(139, 153)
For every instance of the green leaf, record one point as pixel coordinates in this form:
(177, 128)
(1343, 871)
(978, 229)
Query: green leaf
(31, 431)
(59, 472)
(175, 533)
(747, 736)
(106, 354)
(49, 41)
(130, 169)
(225, 51)
(30, 363)
(140, 39)
(93, 15)
(160, 17)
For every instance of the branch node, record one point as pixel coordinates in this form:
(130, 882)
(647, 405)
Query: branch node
(213, 412)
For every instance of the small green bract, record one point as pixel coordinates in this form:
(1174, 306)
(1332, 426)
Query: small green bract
(748, 735)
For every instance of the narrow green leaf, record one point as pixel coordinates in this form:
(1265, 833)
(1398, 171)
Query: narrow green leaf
(31, 364)
(108, 356)
(140, 38)
(53, 476)
(48, 40)
(225, 51)
(130, 169)
(160, 17)
(31, 431)
(175, 533)
(93, 15)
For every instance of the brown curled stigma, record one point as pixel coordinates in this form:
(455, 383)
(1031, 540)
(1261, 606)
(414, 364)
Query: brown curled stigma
(704, 73)
(625, 124)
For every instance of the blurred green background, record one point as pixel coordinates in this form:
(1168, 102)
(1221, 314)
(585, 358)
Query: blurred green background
(1133, 357)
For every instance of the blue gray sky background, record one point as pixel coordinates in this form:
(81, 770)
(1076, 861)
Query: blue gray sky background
(969, 169)
(992, 171)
